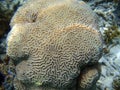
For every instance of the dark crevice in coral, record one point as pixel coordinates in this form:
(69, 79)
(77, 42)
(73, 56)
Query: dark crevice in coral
(5, 17)
(117, 13)
(2, 78)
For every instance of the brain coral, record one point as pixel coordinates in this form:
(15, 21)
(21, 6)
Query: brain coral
(51, 41)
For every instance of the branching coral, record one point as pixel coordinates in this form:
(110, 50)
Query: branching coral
(51, 41)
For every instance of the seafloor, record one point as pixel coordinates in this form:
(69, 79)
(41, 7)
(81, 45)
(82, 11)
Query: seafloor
(108, 12)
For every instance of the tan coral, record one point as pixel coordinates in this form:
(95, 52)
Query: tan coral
(55, 12)
(51, 40)
(88, 77)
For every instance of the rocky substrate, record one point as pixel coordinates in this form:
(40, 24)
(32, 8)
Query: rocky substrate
(7, 10)
(109, 17)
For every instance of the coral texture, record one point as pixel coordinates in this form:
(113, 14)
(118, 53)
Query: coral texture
(50, 41)
(88, 77)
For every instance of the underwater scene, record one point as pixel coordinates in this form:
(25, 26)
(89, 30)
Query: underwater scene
(59, 44)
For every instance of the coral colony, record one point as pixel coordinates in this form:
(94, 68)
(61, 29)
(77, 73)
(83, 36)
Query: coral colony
(55, 45)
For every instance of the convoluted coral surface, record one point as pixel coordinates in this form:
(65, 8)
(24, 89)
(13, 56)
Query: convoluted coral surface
(51, 41)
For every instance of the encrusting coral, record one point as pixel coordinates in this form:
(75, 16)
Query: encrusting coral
(51, 41)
